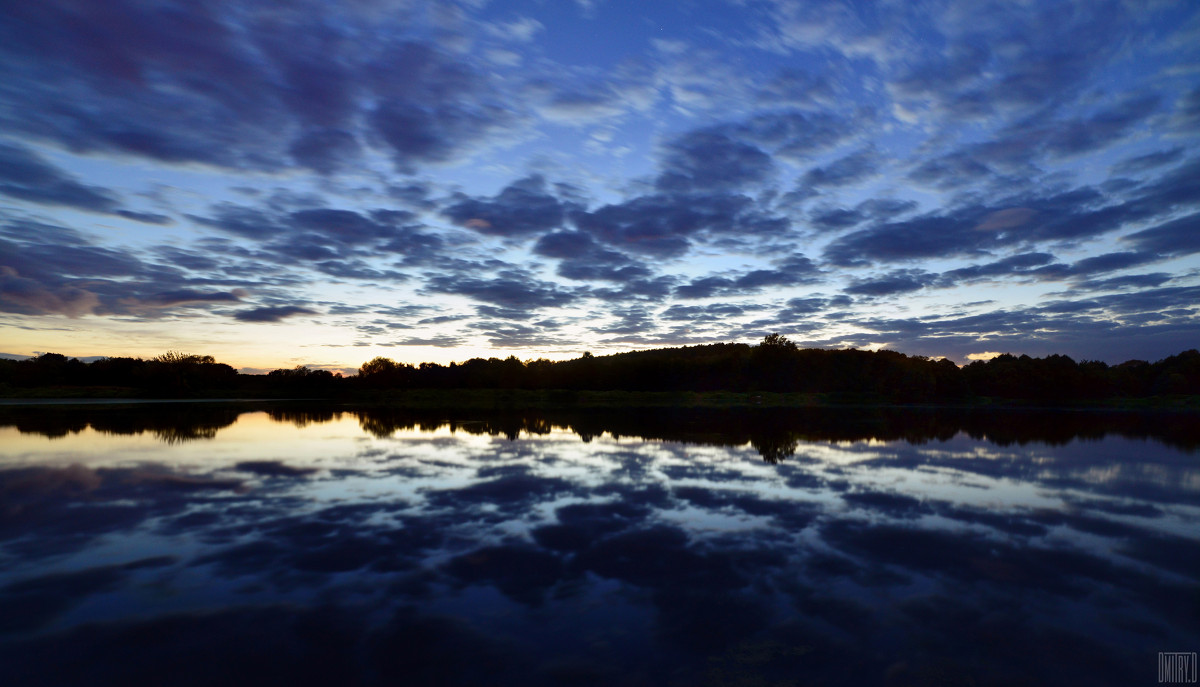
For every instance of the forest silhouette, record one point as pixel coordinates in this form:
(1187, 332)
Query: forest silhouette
(775, 365)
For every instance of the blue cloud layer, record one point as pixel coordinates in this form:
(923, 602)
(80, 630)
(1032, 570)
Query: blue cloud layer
(736, 159)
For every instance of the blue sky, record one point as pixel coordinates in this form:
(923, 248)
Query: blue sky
(320, 183)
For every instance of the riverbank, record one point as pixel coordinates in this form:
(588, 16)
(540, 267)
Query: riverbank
(558, 399)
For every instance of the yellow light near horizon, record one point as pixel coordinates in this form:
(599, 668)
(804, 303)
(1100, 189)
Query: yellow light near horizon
(251, 347)
(986, 355)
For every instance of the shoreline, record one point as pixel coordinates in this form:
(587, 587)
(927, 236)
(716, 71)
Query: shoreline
(563, 399)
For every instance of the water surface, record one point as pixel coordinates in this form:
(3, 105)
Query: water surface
(289, 545)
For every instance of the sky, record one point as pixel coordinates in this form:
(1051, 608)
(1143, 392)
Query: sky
(320, 183)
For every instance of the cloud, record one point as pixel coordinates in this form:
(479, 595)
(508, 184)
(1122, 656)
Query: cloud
(1110, 262)
(888, 504)
(55, 254)
(1022, 218)
(509, 290)
(797, 136)
(338, 242)
(441, 341)
(1039, 266)
(272, 468)
(793, 271)
(896, 282)
(325, 150)
(358, 123)
(317, 227)
(1147, 323)
(243, 89)
(581, 524)
(510, 491)
(271, 313)
(242, 221)
(834, 219)
(520, 30)
(1177, 237)
(886, 208)
(796, 87)
(1026, 142)
(98, 86)
(1187, 112)
(193, 296)
(952, 170)
(315, 78)
(145, 217)
(413, 194)
(1047, 56)
(30, 297)
(1149, 161)
(851, 169)
(632, 321)
(1014, 265)
(52, 269)
(665, 225)
(34, 604)
(509, 335)
(431, 107)
(1018, 150)
(583, 259)
(345, 226)
(565, 244)
(1128, 282)
(655, 288)
(523, 207)
(923, 237)
(24, 175)
(707, 160)
(583, 104)
(945, 74)
(579, 96)
(523, 573)
(801, 309)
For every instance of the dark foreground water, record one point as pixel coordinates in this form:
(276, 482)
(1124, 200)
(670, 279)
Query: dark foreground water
(216, 545)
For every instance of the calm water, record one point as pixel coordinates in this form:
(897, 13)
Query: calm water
(223, 545)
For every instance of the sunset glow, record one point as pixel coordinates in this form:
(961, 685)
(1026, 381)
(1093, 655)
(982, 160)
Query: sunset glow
(322, 183)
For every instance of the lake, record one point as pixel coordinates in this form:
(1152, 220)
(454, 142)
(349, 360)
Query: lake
(216, 544)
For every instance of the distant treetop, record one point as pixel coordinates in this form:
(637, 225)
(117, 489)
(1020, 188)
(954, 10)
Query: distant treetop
(777, 340)
(181, 357)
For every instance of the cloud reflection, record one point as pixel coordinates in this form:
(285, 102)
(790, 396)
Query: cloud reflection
(648, 552)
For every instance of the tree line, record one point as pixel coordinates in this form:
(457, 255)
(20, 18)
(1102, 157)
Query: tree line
(170, 375)
(779, 365)
(773, 365)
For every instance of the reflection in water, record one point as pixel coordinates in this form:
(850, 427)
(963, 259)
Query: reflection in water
(775, 432)
(173, 423)
(303, 417)
(318, 546)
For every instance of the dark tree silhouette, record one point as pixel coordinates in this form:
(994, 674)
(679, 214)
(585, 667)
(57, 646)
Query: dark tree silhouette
(776, 364)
